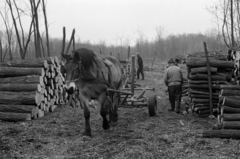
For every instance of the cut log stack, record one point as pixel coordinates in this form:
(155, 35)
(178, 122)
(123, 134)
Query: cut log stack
(198, 80)
(228, 125)
(229, 106)
(29, 88)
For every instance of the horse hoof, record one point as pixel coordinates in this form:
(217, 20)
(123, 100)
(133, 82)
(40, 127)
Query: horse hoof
(87, 134)
(114, 123)
(106, 126)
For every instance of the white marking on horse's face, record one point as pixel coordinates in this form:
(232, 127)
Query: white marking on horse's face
(70, 84)
(70, 87)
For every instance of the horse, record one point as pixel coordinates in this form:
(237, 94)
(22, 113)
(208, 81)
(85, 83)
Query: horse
(92, 76)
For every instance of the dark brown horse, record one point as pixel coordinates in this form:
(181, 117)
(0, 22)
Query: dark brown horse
(92, 76)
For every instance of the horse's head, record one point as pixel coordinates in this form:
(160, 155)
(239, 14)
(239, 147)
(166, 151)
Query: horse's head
(72, 68)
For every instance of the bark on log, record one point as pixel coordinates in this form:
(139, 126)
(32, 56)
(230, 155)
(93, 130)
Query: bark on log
(230, 92)
(227, 109)
(22, 80)
(198, 100)
(203, 70)
(205, 77)
(201, 62)
(203, 86)
(229, 134)
(231, 117)
(4, 116)
(21, 71)
(196, 105)
(205, 82)
(31, 109)
(20, 98)
(21, 87)
(203, 93)
(203, 96)
(231, 102)
(230, 87)
(211, 54)
(25, 63)
(231, 124)
(203, 108)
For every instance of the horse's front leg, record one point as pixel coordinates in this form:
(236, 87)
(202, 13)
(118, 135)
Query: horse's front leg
(114, 110)
(85, 104)
(103, 111)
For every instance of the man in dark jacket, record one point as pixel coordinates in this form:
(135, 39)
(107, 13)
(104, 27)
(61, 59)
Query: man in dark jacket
(140, 66)
(173, 79)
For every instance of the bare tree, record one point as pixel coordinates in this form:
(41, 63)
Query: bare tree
(46, 27)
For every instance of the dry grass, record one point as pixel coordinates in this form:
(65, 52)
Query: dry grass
(167, 135)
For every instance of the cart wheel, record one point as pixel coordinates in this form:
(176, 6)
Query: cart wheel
(152, 105)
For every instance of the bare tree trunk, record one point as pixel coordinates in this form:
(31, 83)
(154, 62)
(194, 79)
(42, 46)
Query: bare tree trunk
(232, 30)
(46, 27)
(16, 28)
(1, 51)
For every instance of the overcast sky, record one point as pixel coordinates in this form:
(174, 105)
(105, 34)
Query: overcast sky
(113, 20)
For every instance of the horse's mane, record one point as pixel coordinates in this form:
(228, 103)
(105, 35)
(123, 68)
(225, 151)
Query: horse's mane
(86, 56)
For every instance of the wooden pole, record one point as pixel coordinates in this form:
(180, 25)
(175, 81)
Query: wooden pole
(133, 73)
(128, 55)
(209, 78)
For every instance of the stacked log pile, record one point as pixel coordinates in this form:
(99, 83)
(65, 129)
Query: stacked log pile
(29, 88)
(198, 80)
(229, 106)
(228, 125)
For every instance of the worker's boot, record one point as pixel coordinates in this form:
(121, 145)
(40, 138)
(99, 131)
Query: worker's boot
(172, 107)
(177, 107)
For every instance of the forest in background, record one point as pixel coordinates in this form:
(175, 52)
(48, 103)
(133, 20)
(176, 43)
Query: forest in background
(17, 42)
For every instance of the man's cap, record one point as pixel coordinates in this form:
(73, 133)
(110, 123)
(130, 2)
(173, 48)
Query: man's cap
(171, 60)
(137, 53)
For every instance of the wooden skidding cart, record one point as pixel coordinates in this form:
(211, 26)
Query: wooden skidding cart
(127, 97)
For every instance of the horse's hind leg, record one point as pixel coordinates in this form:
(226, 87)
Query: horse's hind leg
(103, 111)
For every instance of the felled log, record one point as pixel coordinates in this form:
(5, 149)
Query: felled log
(229, 134)
(205, 77)
(231, 117)
(207, 111)
(203, 86)
(227, 109)
(203, 70)
(22, 80)
(202, 92)
(201, 62)
(196, 109)
(204, 105)
(20, 87)
(211, 54)
(198, 100)
(205, 82)
(31, 109)
(231, 124)
(25, 63)
(230, 92)
(6, 116)
(20, 98)
(231, 102)
(204, 96)
(231, 87)
(20, 71)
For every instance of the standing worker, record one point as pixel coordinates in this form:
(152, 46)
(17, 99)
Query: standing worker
(140, 66)
(173, 79)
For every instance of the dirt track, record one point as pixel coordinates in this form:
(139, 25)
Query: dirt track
(167, 135)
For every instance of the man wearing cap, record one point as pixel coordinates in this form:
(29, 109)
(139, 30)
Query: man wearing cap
(173, 79)
(140, 66)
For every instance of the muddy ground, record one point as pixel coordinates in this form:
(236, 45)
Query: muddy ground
(167, 135)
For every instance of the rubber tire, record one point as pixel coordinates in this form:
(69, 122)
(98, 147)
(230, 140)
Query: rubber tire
(152, 105)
